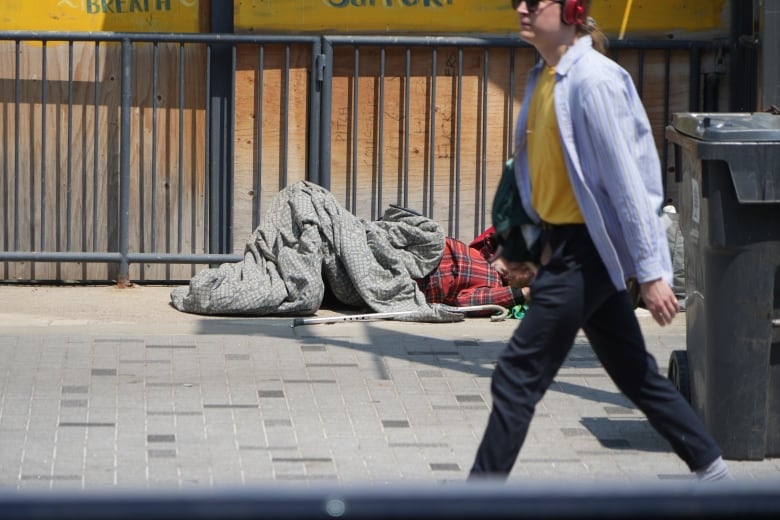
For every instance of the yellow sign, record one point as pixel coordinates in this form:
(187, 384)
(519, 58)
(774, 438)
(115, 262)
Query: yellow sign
(100, 15)
(640, 17)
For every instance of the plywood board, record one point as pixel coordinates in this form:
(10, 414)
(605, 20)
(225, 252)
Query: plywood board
(629, 18)
(442, 125)
(271, 129)
(104, 15)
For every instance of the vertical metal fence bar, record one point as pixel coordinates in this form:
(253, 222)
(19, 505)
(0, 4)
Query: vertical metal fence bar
(59, 185)
(640, 82)
(180, 160)
(221, 81)
(83, 212)
(124, 164)
(193, 171)
(355, 104)
(313, 115)
(5, 210)
(455, 220)
(479, 217)
(155, 134)
(429, 202)
(17, 141)
(694, 60)
(33, 207)
(326, 113)
(44, 147)
(6, 229)
(381, 129)
(167, 216)
(615, 55)
(69, 173)
(259, 97)
(407, 112)
(141, 181)
(665, 149)
(209, 231)
(17, 144)
(95, 152)
(228, 177)
(286, 118)
(512, 88)
(220, 112)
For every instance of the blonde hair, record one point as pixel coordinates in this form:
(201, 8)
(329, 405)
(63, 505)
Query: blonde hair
(600, 41)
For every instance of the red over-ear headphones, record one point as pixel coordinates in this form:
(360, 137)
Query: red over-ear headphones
(573, 12)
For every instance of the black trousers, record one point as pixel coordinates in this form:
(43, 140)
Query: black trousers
(573, 291)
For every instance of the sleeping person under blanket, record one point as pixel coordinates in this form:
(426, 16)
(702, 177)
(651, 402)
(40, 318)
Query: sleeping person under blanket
(471, 274)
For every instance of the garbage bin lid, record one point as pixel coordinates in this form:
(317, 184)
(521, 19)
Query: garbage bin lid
(737, 126)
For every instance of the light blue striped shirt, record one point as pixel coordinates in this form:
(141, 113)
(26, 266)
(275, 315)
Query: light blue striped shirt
(611, 160)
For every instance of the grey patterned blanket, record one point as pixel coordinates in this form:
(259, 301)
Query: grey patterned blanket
(306, 241)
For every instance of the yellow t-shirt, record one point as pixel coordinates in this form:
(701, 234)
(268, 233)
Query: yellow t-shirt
(551, 193)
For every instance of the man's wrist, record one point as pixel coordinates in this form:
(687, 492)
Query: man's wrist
(518, 296)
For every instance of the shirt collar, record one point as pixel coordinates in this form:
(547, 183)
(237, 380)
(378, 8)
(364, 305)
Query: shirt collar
(574, 53)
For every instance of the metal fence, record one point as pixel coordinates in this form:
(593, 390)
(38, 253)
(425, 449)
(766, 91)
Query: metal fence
(118, 150)
(145, 157)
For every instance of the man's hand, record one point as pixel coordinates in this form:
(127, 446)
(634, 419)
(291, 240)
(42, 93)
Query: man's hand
(516, 274)
(659, 300)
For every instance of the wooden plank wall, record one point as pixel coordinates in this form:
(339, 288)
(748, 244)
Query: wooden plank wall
(264, 161)
(459, 177)
(380, 176)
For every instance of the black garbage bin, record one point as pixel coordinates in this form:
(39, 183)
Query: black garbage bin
(728, 167)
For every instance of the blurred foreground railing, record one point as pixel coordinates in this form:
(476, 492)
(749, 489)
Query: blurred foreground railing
(658, 500)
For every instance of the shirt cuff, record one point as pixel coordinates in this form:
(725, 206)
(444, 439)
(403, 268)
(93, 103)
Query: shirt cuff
(517, 294)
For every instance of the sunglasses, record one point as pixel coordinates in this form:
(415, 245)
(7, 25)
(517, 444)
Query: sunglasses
(531, 5)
